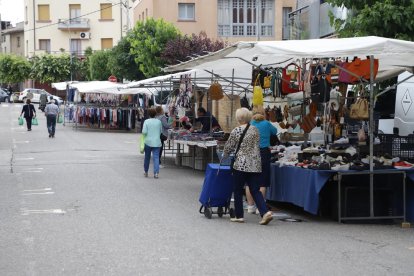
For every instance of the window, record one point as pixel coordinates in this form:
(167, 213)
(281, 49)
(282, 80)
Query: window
(106, 11)
(106, 43)
(245, 18)
(186, 11)
(43, 12)
(44, 44)
(18, 42)
(285, 28)
(76, 47)
(75, 13)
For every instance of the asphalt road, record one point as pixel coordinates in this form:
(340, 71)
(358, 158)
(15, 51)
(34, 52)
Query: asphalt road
(79, 205)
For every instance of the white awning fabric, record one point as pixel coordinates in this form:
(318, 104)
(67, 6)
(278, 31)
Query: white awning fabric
(392, 53)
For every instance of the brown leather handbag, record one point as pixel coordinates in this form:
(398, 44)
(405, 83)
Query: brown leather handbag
(360, 110)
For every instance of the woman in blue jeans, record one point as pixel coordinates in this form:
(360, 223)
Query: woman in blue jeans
(152, 130)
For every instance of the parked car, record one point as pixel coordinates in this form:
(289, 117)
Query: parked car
(4, 96)
(35, 93)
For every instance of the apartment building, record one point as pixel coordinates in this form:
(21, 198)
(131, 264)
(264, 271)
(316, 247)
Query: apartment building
(12, 40)
(311, 19)
(73, 25)
(228, 20)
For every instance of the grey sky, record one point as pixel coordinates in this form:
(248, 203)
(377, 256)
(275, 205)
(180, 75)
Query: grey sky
(12, 10)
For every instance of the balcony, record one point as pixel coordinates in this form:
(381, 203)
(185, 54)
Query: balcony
(78, 24)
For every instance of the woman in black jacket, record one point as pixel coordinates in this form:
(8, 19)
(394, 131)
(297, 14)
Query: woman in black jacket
(29, 112)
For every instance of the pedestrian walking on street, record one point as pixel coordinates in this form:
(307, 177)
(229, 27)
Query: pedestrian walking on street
(51, 112)
(247, 166)
(29, 112)
(165, 126)
(152, 130)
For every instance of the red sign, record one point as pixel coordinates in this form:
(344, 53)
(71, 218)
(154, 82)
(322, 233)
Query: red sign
(112, 78)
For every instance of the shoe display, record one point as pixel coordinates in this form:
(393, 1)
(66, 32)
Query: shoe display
(251, 209)
(402, 165)
(239, 220)
(266, 218)
(340, 166)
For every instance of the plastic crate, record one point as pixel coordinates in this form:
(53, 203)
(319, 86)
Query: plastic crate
(398, 146)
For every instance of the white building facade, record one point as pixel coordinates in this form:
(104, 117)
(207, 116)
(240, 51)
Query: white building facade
(72, 26)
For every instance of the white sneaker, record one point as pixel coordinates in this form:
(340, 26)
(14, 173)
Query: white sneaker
(251, 209)
(257, 211)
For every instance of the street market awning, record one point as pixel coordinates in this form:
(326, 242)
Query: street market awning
(392, 53)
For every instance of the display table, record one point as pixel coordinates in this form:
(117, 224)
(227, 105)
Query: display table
(302, 186)
(298, 186)
(195, 154)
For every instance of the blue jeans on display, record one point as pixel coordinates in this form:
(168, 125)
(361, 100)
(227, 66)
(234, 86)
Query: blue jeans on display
(51, 124)
(155, 158)
(252, 180)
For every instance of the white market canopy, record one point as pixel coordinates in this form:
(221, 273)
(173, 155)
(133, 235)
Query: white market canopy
(394, 55)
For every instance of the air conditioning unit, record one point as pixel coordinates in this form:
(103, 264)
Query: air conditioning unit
(84, 35)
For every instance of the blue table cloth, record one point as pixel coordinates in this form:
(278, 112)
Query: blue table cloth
(302, 186)
(218, 186)
(298, 186)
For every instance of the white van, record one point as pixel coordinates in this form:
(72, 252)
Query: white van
(404, 105)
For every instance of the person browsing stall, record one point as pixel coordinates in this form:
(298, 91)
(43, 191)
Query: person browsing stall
(266, 129)
(247, 166)
(207, 119)
(152, 130)
(165, 126)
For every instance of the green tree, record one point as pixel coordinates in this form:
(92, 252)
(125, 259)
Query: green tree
(13, 69)
(148, 40)
(98, 65)
(50, 68)
(122, 62)
(80, 66)
(386, 18)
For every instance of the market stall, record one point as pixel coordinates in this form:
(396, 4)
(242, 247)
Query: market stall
(335, 122)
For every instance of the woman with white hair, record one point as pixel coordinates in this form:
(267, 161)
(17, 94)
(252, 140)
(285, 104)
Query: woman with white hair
(247, 167)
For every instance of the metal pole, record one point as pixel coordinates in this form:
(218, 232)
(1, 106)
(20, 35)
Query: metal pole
(258, 18)
(371, 136)
(34, 28)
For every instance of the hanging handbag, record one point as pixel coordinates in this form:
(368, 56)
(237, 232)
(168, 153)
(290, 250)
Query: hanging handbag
(257, 94)
(244, 102)
(362, 68)
(34, 121)
(216, 91)
(291, 79)
(309, 121)
(333, 76)
(267, 82)
(359, 110)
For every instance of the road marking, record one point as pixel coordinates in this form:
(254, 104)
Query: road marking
(410, 248)
(38, 190)
(4, 105)
(164, 259)
(24, 158)
(130, 142)
(20, 142)
(26, 212)
(31, 171)
(45, 193)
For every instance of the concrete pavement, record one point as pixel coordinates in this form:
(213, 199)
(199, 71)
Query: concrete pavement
(79, 205)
